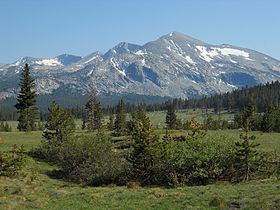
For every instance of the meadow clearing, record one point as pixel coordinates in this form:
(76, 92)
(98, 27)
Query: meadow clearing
(37, 187)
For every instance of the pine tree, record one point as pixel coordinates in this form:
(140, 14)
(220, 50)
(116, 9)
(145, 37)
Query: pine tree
(26, 102)
(251, 109)
(120, 127)
(248, 114)
(94, 113)
(145, 150)
(60, 124)
(171, 117)
(268, 121)
(59, 129)
(139, 115)
(90, 110)
(245, 154)
(98, 115)
(110, 124)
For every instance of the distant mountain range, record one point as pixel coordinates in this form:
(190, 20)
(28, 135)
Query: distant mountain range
(175, 65)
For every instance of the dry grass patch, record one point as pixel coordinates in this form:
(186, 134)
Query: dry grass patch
(157, 192)
(1, 141)
(38, 200)
(62, 192)
(111, 185)
(133, 185)
(175, 194)
(222, 183)
(217, 202)
(97, 195)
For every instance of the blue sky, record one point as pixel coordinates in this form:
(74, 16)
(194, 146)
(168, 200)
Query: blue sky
(47, 28)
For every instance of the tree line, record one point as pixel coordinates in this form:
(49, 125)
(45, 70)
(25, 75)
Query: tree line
(266, 97)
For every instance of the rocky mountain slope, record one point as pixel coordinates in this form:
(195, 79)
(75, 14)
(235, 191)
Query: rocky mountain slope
(175, 65)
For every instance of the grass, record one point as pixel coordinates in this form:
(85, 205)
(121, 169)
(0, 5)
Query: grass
(158, 118)
(45, 192)
(29, 140)
(37, 188)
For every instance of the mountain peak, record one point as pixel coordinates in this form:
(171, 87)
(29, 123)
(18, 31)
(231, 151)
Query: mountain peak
(67, 59)
(174, 35)
(175, 65)
(121, 48)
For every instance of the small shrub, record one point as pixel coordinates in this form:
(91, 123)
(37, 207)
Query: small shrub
(133, 185)
(12, 163)
(157, 192)
(92, 159)
(97, 195)
(5, 127)
(217, 202)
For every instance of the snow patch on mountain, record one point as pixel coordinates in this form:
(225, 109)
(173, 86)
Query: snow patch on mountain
(208, 55)
(140, 52)
(49, 62)
(188, 58)
(204, 54)
(230, 51)
(116, 66)
(91, 59)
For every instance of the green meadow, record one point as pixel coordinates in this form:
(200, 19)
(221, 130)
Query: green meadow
(37, 187)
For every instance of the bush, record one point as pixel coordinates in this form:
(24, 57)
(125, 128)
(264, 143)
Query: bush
(92, 160)
(12, 163)
(195, 161)
(192, 159)
(5, 127)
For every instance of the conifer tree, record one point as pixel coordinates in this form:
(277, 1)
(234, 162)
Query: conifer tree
(120, 126)
(145, 150)
(111, 123)
(248, 114)
(139, 115)
(26, 102)
(171, 117)
(94, 112)
(59, 129)
(90, 108)
(245, 154)
(268, 121)
(60, 124)
(98, 115)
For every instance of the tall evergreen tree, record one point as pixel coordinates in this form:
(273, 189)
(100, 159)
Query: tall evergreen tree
(268, 120)
(111, 123)
(26, 102)
(90, 110)
(98, 115)
(171, 117)
(120, 126)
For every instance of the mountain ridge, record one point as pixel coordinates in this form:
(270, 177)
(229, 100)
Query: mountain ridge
(175, 65)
